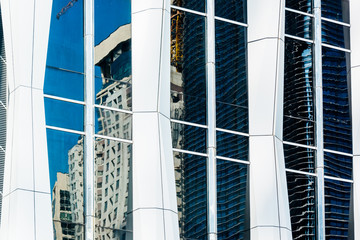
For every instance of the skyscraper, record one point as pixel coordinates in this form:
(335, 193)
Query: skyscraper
(180, 119)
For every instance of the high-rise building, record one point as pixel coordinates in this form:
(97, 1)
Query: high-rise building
(179, 119)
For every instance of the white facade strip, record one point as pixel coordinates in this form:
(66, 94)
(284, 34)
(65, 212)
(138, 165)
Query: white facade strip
(339, 153)
(232, 132)
(337, 48)
(89, 146)
(63, 99)
(65, 130)
(113, 109)
(2, 104)
(301, 172)
(300, 145)
(190, 152)
(299, 12)
(334, 21)
(188, 10)
(231, 21)
(113, 138)
(339, 179)
(64, 70)
(189, 123)
(299, 38)
(233, 160)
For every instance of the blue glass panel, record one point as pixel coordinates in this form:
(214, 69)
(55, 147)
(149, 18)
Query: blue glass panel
(338, 208)
(65, 152)
(188, 83)
(113, 53)
(234, 10)
(335, 9)
(299, 125)
(64, 83)
(113, 162)
(298, 158)
(301, 192)
(190, 177)
(197, 5)
(66, 42)
(113, 124)
(303, 5)
(298, 25)
(64, 114)
(336, 100)
(232, 146)
(338, 165)
(232, 196)
(231, 77)
(335, 34)
(188, 137)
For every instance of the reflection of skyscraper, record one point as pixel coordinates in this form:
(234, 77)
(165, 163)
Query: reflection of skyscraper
(64, 228)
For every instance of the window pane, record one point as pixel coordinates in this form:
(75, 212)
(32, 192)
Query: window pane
(337, 209)
(112, 188)
(64, 114)
(298, 25)
(66, 42)
(232, 146)
(335, 34)
(190, 177)
(299, 125)
(232, 195)
(231, 77)
(188, 137)
(197, 5)
(63, 83)
(299, 158)
(188, 83)
(304, 5)
(335, 9)
(113, 123)
(233, 10)
(65, 154)
(338, 165)
(336, 100)
(301, 189)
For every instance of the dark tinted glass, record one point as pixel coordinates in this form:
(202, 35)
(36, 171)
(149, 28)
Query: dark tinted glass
(64, 83)
(335, 9)
(335, 34)
(231, 77)
(338, 165)
(112, 189)
(231, 9)
(298, 25)
(298, 158)
(113, 53)
(336, 100)
(66, 43)
(197, 5)
(64, 114)
(299, 125)
(301, 189)
(232, 146)
(190, 177)
(232, 194)
(337, 209)
(65, 154)
(113, 123)
(188, 84)
(188, 137)
(302, 5)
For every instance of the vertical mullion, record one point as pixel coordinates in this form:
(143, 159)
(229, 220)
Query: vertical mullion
(89, 164)
(319, 122)
(211, 121)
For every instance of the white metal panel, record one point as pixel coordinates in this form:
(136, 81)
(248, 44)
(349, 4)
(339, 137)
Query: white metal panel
(143, 5)
(355, 103)
(279, 88)
(262, 72)
(264, 232)
(264, 19)
(355, 32)
(149, 224)
(43, 216)
(146, 42)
